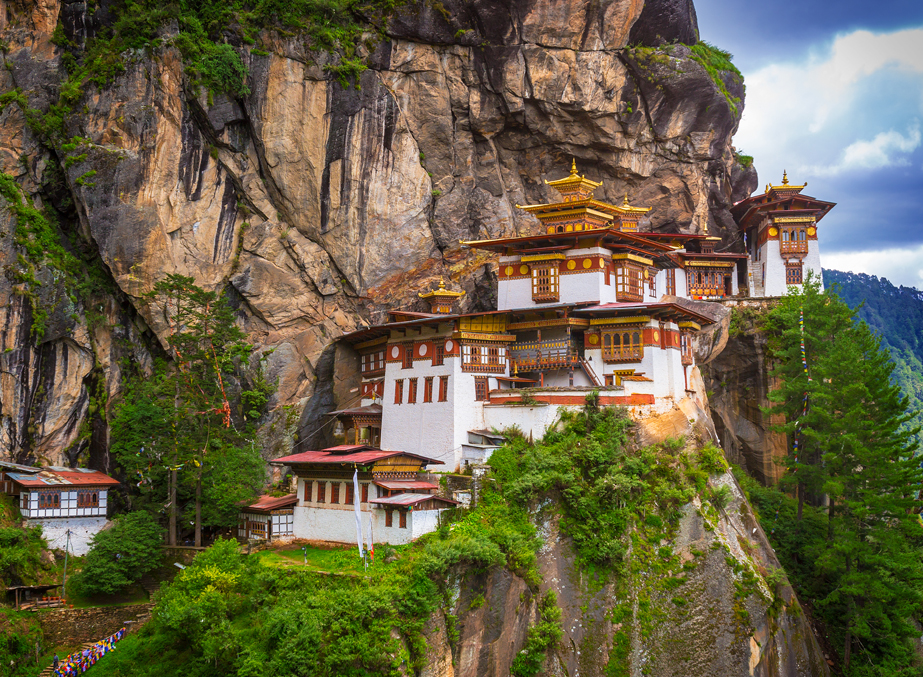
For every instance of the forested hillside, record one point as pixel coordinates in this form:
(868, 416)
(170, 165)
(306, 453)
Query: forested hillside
(896, 313)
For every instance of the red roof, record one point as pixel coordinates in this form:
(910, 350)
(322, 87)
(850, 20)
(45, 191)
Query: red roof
(78, 477)
(398, 485)
(411, 499)
(342, 455)
(266, 503)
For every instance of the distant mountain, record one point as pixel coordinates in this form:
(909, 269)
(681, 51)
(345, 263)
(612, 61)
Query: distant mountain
(896, 313)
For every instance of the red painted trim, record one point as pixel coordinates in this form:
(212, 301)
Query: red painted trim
(624, 400)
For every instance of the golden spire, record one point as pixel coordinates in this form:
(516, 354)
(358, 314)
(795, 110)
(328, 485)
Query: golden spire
(625, 201)
(784, 178)
(573, 167)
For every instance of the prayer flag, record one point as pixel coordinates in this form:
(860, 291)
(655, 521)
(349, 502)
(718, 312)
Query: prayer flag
(358, 512)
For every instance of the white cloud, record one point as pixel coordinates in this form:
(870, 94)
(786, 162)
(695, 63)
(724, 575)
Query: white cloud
(901, 266)
(823, 113)
(887, 149)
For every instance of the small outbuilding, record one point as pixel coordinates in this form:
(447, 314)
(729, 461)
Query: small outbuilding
(270, 518)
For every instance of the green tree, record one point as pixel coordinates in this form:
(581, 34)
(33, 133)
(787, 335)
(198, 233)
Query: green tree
(856, 450)
(176, 430)
(122, 554)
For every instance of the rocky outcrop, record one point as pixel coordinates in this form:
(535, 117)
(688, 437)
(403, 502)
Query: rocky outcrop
(315, 207)
(729, 612)
(738, 384)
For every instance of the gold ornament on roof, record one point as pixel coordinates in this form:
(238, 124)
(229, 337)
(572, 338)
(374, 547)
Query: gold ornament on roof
(441, 292)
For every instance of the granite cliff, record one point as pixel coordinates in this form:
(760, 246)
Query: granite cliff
(314, 205)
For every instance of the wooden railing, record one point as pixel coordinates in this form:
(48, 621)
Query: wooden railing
(793, 246)
(546, 354)
(623, 354)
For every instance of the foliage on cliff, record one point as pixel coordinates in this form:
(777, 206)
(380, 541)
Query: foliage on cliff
(20, 631)
(232, 614)
(178, 425)
(847, 426)
(896, 313)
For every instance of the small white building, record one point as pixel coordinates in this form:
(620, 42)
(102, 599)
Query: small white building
(400, 505)
(270, 518)
(780, 227)
(62, 500)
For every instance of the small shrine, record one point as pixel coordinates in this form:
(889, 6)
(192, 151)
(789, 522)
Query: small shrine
(441, 300)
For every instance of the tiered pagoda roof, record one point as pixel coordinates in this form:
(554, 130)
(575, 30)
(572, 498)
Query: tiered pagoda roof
(785, 200)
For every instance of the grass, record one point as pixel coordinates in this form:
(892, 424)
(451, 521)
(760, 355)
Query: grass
(327, 560)
(716, 62)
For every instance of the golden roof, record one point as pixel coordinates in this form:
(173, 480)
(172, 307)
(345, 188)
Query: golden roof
(786, 186)
(441, 292)
(574, 182)
(626, 208)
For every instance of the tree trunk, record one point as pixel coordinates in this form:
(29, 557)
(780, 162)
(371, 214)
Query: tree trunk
(198, 508)
(847, 643)
(172, 502)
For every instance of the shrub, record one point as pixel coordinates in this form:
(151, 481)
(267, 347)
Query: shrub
(121, 555)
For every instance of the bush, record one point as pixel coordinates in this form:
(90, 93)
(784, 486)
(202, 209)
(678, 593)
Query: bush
(20, 555)
(121, 555)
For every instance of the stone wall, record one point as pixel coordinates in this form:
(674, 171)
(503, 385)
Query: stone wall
(69, 627)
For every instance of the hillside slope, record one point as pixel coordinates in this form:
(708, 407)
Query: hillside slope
(896, 313)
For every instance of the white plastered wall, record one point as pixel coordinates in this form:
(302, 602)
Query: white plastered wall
(82, 531)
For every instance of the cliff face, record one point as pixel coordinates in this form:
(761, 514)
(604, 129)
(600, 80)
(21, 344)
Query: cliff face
(316, 207)
(728, 612)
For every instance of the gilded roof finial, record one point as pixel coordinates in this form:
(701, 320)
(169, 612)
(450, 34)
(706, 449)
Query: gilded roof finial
(441, 283)
(573, 167)
(784, 178)
(625, 201)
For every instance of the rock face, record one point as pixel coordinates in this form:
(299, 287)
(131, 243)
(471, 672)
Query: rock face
(737, 378)
(316, 207)
(730, 615)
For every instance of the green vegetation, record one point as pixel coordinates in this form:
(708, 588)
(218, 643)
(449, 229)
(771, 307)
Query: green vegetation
(269, 614)
(176, 430)
(857, 559)
(896, 314)
(744, 320)
(718, 65)
(745, 161)
(20, 631)
(20, 555)
(121, 555)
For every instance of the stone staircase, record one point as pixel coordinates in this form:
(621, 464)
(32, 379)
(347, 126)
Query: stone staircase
(49, 671)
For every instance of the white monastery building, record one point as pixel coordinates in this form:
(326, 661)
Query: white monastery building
(60, 500)
(591, 301)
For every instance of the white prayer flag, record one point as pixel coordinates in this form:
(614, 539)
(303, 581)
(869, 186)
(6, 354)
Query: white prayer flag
(356, 498)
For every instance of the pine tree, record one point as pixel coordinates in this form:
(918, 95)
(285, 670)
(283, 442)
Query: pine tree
(858, 455)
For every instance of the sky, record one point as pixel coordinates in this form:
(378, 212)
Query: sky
(835, 96)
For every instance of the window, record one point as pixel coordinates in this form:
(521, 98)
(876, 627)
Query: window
(308, 491)
(407, 357)
(388, 519)
(685, 347)
(350, 493)
(671, 281)
(321, 492)
(483, 357)
(545, 284)
(443, 388)
(399, 391)
(373, 363)
(480, 388)
(50, 501)
(428, 389)
(622, 345)
(628, 283)
(651, 284)
(86, 499)
(335, 493)
(793, 273)
(365, 492)
(439, 354)
(412, 392)
(403, 514)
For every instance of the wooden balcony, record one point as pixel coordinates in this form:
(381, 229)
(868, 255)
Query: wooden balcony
(793, 246)
(623, 354)
(546, 354)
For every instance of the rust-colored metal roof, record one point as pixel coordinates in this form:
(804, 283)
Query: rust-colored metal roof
(267, 503)
(52, 477)
(362, 455)
(368, 410)
(405, 485)
(666, 308)
(411, 499)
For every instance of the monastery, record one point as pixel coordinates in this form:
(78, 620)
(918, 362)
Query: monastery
(592, 300)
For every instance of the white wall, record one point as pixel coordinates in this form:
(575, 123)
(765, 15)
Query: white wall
(68, 505)
(339, 525)
(82, 531)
